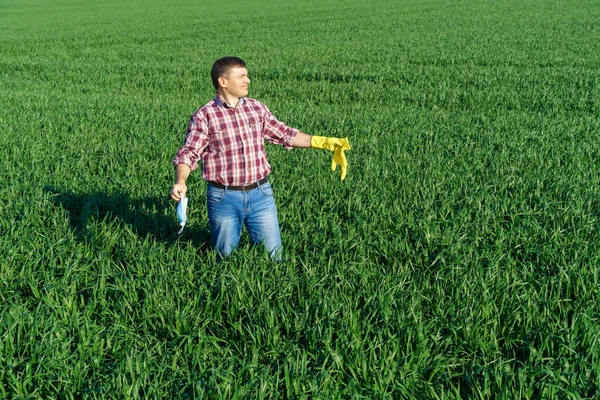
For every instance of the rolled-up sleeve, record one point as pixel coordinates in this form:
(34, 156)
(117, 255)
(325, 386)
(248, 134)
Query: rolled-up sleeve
(277, 132)
(196, 140)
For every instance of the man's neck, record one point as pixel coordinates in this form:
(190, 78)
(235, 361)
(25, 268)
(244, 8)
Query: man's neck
(231, 101)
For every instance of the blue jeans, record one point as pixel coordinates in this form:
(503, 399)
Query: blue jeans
(229, 210)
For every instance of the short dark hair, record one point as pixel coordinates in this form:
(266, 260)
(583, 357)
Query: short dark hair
(222, 66)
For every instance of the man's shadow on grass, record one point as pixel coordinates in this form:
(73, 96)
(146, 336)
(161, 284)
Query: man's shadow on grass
(150, 217)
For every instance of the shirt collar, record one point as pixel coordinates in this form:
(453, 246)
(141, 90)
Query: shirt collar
(222, 103)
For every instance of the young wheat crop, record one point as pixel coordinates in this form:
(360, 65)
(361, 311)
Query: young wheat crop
(459, 258)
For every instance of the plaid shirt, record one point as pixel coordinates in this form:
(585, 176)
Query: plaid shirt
(230, 141)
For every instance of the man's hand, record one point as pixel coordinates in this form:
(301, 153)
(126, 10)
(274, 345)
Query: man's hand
(338, 146)
(178, 191)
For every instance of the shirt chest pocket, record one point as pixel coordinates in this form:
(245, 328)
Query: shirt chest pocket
(219, 141)
(255, 124)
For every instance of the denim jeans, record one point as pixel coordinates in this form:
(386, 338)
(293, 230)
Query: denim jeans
(230, 210)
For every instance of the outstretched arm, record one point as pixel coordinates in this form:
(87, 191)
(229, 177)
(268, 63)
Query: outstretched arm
(276, 132)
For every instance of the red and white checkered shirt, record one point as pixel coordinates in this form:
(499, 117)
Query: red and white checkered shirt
(230, 141)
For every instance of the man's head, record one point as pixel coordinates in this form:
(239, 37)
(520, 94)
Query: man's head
(230, 74)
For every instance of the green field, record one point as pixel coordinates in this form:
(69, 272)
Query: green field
(459, 258)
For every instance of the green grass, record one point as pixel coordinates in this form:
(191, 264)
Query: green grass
(459, 258)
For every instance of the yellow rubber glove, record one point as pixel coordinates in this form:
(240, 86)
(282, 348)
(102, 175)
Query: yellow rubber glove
(337, 146)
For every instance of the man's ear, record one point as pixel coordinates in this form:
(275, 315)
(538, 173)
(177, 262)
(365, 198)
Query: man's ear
(222, 81)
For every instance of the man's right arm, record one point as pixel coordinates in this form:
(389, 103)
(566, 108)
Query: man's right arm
(187, 157)
(182, 171)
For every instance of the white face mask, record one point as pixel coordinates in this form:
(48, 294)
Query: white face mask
(181, 213)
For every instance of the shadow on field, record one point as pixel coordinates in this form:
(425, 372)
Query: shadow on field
(148, 217)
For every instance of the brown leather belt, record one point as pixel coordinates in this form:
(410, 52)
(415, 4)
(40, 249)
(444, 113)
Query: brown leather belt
(243, 188)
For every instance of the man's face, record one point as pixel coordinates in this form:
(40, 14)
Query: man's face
(235, 82)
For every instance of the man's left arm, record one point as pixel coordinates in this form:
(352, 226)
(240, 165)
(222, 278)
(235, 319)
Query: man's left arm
(279, 133)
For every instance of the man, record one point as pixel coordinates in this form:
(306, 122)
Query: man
(227, 135)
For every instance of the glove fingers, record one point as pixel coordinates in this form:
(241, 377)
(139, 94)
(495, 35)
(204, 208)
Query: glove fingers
(342, 159)
(339, 158)
(343, 165)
